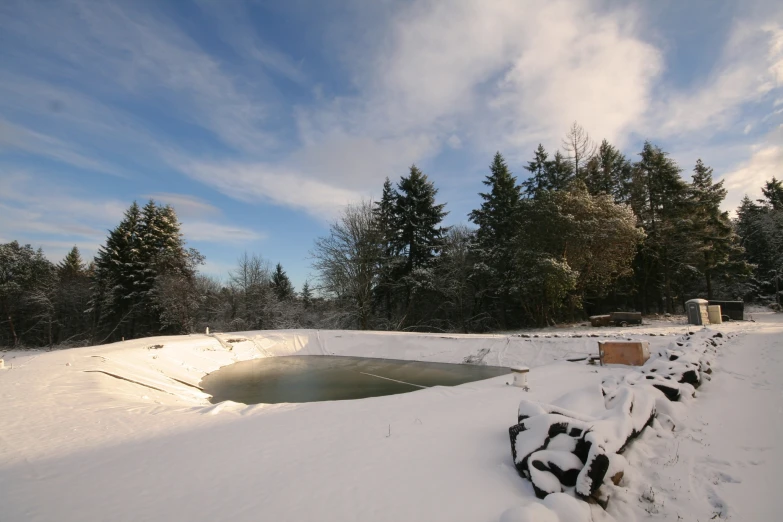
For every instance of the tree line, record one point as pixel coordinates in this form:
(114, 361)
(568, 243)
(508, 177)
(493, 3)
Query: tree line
(587, 231)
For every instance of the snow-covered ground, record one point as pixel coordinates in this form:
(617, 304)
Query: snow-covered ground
(122, 432)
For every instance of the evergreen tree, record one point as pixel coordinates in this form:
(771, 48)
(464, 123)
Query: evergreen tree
(659, 199)
(116, 281)
(496, 220)
(608, 172)
(307, 295)
(717, 246)
(418, 219)
(281, 285)
(390, 262)
(581, 243)
(27, 284)
(145, 248)
(72, 265)
(760, 226)
(554, 174)
(72, 298)
(418, 237)
(773, 192)
(538, 169)
(559, 173)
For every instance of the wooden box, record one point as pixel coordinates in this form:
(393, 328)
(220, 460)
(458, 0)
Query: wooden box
(632, 353)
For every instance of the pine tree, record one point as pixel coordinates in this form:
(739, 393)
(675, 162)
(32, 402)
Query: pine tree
(715, 241)
(659, 199)
(27, 286)
(554, 174)
(72, 266)
(145, 248)
(608, 172)
(281, 285)
(307, 295)
(496, 220)
(390, 262)
(72, 298)
(760, 226)
(773, 192)
(560, 173)
(115, 296)
(538, 169)
(418, 220)
(419, 234)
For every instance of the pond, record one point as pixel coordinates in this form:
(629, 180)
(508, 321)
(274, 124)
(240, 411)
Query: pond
(310, 378)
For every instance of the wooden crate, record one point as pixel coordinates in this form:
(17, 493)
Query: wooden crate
(631, 353)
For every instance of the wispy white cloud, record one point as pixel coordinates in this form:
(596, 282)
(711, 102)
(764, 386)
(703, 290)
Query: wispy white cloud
(232, 19)
(187, 206)
(45, 214)
(208, 232)
(193, 213)
(122, 50)
(468, 67)
(258, 182)
(426, 77)
(17, 138)
(750, 68)
(764, 163)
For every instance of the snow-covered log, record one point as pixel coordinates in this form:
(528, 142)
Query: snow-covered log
(556, 448)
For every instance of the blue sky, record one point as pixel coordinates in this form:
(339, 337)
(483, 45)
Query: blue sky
(259, 120)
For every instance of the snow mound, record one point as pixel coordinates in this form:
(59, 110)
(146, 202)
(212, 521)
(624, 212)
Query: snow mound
(557, 507)
(559, 449)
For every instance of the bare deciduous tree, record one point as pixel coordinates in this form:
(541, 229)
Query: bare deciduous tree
(347, 261)
(579, 147)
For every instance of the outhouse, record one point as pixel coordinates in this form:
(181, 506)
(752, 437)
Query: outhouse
(697, 311)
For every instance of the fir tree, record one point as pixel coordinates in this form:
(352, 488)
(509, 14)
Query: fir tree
(418, 218)
(659, 197)
(715, 241)
(72, 265)
(281, 285)
(773, 193)
(760, 227)
(390, 263)
(117, 279)
(496, 220)
(146, 247)
(538, 169)
(559, 173)
(307, 295)
(608, 172)
(418, 239)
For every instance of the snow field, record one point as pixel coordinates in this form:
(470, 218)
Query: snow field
(121, 432)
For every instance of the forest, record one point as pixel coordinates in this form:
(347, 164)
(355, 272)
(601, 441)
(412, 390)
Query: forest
(587, 231)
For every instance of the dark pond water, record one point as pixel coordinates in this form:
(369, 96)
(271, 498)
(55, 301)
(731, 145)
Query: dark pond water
(309, 378)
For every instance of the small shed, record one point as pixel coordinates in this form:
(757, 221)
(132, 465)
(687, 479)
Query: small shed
(735, 310)
(697, 311)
